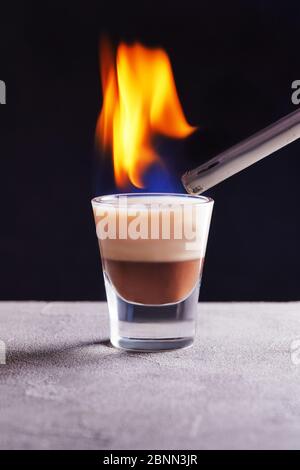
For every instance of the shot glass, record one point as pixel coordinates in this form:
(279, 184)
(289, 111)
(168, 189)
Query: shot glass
(152, 249)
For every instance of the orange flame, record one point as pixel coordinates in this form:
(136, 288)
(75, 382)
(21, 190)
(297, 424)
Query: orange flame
(139, 101)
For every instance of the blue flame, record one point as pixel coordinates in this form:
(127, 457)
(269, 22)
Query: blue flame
(159, 179)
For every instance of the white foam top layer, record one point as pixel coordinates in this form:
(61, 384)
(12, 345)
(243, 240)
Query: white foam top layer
(155, 228)
(148, 199)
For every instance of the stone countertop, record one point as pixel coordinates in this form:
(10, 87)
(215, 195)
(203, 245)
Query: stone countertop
(64, 387)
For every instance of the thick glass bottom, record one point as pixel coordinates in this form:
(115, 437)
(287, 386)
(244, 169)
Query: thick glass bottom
(138, 327)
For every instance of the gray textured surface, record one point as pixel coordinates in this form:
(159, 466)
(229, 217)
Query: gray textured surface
(64, 387)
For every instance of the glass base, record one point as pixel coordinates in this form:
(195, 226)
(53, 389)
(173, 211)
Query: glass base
(151, 345)
(139, 327)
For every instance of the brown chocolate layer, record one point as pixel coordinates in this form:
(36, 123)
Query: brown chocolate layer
(153, 282)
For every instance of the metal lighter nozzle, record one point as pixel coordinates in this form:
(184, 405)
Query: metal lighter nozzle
(244, 154)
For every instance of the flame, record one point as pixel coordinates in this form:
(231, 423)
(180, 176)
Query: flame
(139, 101)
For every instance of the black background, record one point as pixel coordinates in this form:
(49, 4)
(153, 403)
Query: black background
(233, 62)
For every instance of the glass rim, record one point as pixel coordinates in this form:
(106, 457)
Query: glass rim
(112, 199)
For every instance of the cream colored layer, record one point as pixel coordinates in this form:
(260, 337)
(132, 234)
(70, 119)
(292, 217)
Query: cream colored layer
(155, 229)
